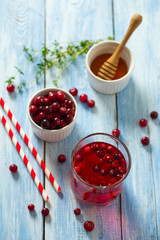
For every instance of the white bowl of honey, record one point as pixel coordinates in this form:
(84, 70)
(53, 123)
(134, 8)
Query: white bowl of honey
(97, 55)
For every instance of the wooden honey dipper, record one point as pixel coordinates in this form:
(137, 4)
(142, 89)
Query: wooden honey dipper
(109, 68)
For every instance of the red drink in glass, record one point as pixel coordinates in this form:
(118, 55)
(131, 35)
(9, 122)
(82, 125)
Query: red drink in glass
(99, 165)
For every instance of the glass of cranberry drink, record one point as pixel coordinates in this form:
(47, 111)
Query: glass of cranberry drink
(99, 165)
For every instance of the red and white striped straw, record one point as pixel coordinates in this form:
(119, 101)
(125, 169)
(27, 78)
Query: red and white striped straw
(24, 158)
(30, 145)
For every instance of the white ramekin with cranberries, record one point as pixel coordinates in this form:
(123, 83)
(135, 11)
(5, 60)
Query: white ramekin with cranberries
(52, 113)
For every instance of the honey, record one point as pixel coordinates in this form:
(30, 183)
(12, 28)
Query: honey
(98, 61)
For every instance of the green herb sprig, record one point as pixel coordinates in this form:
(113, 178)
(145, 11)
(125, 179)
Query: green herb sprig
(58, 55)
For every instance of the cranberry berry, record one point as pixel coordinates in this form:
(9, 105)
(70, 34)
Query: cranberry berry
(73, 91)
(110, 149)
(117, 156)
(77, 211)
(96, 168)
(52, 97)
(42, 115)
(46, 101)
(36, 119)
(31, 207)
(154, 115)
(91, 103)
(121, 170)
(143, 122)
(45, 212)
(39, 101)
(89, 226)
(45, 124)
(55, 106)
(69, 118)
(63, 111)
(145, 141)
(101, 161)
(116, 132)
(63, 123)
(78, 158)
(83, 98)
(77, 169)
(70, 104)
(13, 168)
(95, 146)
(60, 96)
(47, 109)
(87, 149)
(112, 172)
(100, 153)
(33, 109)
(62, 158)
(103, 146)
(10, 88)
(103, 172)
(70, 111)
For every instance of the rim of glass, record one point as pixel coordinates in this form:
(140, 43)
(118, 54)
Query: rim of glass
(118, 182)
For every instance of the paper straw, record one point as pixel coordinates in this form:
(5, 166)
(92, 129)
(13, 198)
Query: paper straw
(30, 145)
(24, 158)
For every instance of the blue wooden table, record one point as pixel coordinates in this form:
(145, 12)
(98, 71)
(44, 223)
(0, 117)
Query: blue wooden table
(136, 212)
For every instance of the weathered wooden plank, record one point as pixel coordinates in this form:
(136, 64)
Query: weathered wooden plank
(140, 206)
(19, 20)
(78, 20)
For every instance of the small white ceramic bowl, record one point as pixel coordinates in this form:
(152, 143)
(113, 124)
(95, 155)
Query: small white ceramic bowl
(55, 135)
(108, 86)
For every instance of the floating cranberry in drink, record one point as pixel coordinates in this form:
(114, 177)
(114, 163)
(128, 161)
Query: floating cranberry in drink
(100, 172)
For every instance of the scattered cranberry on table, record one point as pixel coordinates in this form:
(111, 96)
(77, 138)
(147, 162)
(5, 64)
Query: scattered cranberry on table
(154, 115)
(45, 212)
(77, 211)
(62, 158)
(116, 132)
(83, 98)
(10, 88)
(91, 103)
(145, 141)
(31, 207)
(13, 168)
(73, 91)
(143, 122)
(89, 226)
